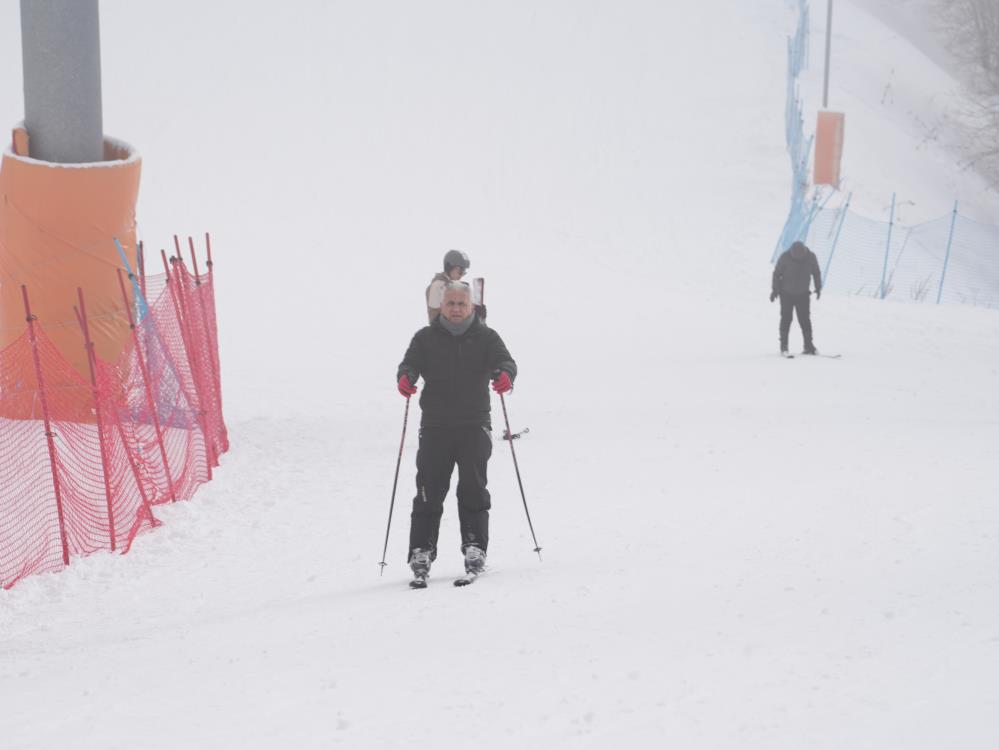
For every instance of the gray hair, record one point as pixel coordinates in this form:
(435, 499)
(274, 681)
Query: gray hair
(460, 286)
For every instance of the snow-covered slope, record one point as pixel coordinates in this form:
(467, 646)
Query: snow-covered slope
(739, 551)
(902, 103)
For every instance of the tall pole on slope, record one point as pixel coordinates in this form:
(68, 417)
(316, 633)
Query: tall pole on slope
(395, 484)
(825, 85)
(516, 468)
(61, 47)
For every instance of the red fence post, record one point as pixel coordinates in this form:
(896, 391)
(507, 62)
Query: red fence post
(216, 383)
(149, 391)
(81, 316)
(215, 341)
(174, 279)
(185, 309)
(48, 425)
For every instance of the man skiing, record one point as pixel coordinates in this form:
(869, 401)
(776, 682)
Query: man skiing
(456, 265)
(457, 356)
(795, 268)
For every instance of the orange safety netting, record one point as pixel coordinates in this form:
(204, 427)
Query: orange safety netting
(84, 456)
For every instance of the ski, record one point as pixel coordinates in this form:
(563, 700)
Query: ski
(466, 579)
(419, 582)
(820, 354)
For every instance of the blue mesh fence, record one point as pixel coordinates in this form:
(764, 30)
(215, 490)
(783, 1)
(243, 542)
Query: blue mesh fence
(798, 148)
(951, 259)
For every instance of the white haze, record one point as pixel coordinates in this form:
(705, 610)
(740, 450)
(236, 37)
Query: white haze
(739, 551)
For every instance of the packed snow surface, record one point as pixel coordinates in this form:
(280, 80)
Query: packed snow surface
(739, 551)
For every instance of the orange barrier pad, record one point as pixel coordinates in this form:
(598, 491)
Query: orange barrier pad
(57, 228)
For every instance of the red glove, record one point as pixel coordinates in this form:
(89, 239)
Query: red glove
(406, 388)
(502, 382)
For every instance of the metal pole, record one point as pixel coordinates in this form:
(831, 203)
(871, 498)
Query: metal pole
(825, 85)
(950, 239)
(61, 50)
(839, 228)
(395, 483)
(810, 217)
(516, 468)
(884, 271)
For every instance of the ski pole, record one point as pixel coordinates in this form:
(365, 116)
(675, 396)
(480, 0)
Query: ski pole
(516, 468)
(395, 482)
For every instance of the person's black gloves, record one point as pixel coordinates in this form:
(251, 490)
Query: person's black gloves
(773, 296)
(818, 293)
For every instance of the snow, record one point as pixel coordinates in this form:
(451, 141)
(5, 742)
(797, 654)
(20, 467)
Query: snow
(902, 112)
(739, 551)
(119, 145)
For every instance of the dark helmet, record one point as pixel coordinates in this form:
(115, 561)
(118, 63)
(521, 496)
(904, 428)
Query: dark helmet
(456, 258)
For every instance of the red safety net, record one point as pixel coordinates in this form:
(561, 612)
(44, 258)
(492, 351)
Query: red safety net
(84, 457)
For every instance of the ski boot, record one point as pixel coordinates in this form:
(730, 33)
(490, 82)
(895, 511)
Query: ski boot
(475, 563)
(419, 563)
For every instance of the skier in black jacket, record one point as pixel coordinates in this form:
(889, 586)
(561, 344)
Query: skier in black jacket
(795, 268)
(457, 356)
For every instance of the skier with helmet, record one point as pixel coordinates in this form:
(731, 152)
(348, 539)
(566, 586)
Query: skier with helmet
(456, 265)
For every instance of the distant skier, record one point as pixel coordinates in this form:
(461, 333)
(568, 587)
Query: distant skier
(457, 356)
(456, 265)
(794, 269)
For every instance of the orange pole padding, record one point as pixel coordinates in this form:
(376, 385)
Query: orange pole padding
(57, 228)
(829, 132)
(20, 143)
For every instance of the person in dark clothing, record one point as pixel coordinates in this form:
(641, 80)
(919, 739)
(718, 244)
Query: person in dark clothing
(457, 356)
(795, 268)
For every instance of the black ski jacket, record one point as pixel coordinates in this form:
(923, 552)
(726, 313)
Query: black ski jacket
(793, 269)
(456, 371)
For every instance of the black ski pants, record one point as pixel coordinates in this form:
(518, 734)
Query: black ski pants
(795, 304)
(468, 446)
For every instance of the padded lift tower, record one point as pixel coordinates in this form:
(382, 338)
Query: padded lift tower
(66, 191)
